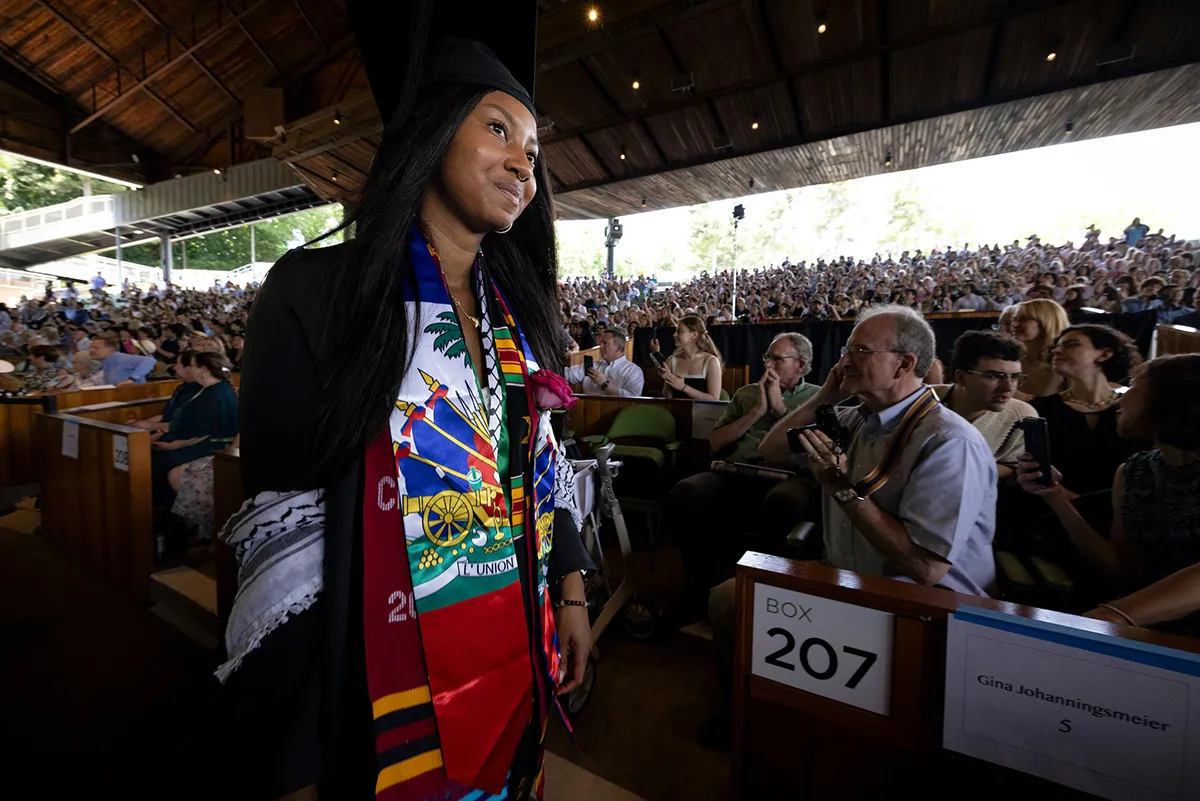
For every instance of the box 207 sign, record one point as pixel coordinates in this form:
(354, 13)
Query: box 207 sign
(827, 648)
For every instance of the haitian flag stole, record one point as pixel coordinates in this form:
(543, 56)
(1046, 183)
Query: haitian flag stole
(451, 712)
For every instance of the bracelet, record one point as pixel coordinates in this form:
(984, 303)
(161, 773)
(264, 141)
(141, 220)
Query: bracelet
(561, 604)
(1128, 619)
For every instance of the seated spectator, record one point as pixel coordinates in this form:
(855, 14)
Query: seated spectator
(774, 508)
(613, 375)
(44, 369)
(1002, 296)
(173, 343)
(206, 423)
(237, 344)
(182, 395)
(145, 341)
(969, 301)
(987, 373)
(1036, 325)
(1172, 304)
(1147, 297)
(927, 514)
(694, 369)
(78, 340)
(1093, 360)
(119, 368)
(1154, 545)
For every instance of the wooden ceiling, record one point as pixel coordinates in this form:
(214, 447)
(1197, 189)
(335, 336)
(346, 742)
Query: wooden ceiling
(927, 80)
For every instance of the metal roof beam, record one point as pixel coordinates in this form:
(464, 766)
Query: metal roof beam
(92, 43)
(195, 60)
(124, 97)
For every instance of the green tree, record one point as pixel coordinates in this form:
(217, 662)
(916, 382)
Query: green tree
(836, 212)
(26, 185)
(909, 224)
(711, 241)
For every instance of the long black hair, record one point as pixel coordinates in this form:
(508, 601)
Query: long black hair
(368, 345)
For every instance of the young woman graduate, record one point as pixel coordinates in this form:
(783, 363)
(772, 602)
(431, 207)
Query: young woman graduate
(410, 589)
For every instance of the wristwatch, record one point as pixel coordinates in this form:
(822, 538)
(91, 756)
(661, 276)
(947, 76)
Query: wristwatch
(846, 495)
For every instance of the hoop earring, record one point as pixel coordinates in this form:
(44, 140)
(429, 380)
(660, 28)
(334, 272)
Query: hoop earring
(506, 230)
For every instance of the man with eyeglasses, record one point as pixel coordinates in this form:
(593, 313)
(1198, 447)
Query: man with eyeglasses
(697, 506)
(987, 372)
(913, 497)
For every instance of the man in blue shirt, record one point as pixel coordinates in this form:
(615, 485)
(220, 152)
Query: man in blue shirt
(1147, 297)
(1136, 231)
(119, 368)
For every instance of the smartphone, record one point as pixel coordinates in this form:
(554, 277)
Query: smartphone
(588, 361)
(1037, 442)
(658, 358)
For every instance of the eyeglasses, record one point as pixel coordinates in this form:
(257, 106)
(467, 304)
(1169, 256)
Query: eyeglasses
(996, 376)
(863, 350)
(768, 358)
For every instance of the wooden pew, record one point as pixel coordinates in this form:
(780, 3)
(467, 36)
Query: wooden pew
(96, 514)
(734, 377)
(16, 439)
(594, 414)
(117, 412)
(822, 748)
(1175, 339)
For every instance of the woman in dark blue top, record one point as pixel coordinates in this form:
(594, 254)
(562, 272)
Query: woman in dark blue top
(205, 423)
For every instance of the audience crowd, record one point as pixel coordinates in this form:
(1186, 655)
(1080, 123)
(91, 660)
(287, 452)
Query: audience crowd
(1119, 508)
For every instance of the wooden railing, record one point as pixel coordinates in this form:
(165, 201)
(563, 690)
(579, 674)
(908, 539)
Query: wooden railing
(817, 747)
(93, 511)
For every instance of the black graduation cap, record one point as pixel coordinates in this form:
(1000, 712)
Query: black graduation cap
(403, 42)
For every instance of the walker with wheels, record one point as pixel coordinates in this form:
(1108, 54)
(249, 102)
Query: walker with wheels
(597, 499)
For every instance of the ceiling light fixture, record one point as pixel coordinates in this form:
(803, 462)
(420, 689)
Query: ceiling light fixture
(754, 126)
(334, 176)
(1070, 126)
(887, 161)
(337, 117)
(637, 84)
(1051, 55)
(622, 157)
(643, 203)
(821, 26)
(217, 171)
(593, 15)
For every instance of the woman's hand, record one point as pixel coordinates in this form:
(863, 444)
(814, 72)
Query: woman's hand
(166, 446)
(1107, 615)
(671, 379)
(574, 635)
(1028, 476)
(654, 346)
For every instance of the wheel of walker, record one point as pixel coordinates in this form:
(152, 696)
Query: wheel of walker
(577, 699)
(639, 619)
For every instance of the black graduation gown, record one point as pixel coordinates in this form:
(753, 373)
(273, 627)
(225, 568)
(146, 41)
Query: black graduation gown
(298, 709)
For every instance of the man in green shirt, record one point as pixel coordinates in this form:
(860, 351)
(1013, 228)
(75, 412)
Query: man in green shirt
(707, 510)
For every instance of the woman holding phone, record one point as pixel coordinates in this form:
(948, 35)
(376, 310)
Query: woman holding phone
(693, 371)
(1155, 496)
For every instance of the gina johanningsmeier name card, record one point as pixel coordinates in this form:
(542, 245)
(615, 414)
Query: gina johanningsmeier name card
(1112, 717)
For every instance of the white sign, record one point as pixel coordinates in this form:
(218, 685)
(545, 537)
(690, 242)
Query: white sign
(70, 443)
(823, 647)
(1111, 717)
(121, 453)
(705, 415)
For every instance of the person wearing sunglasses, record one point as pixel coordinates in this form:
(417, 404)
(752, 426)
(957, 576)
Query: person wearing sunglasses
(987, 373)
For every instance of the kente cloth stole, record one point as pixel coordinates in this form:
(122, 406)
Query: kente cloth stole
(913, 415)
(451, 655)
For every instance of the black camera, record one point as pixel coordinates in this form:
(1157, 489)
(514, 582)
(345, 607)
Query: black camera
(828, 424)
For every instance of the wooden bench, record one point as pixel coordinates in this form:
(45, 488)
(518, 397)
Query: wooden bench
(819, 747)
(118, 412)
(733, 378)
(1176, 339)
(17, 445)
(95, 513)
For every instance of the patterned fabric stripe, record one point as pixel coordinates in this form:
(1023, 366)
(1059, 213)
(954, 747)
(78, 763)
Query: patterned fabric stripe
(408, 769)
(402, 717)
(401, 700)
(915, 413)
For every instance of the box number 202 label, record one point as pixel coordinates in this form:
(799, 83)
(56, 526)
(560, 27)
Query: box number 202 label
(828, 648)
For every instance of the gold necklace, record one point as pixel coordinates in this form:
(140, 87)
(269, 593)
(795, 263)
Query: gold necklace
(1068, 395)
(475, 321)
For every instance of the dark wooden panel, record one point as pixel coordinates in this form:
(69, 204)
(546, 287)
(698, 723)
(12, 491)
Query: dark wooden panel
(840, 98)
(768, 106)
(571, 162)
(644, 57)
(570, 98)
(722, 48)
(630, 139)
(686, 134)
(850, 25)
(926, 82)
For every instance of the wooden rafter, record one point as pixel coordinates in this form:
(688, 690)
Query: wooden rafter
(612, 103)
(777, 63)
(195, 59)
(818, 65)
(92, 43)
(307, 21)
(185, 56)
(250, 37)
